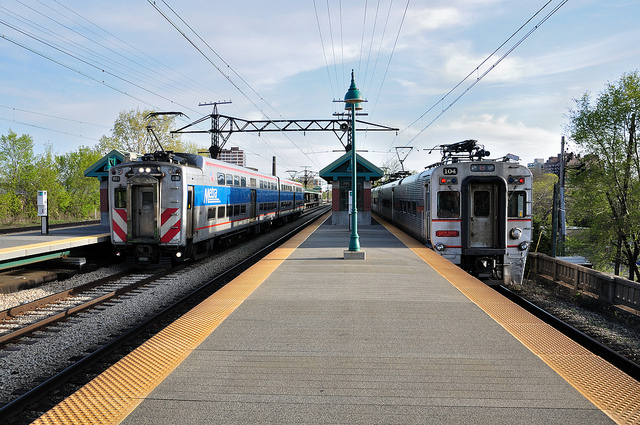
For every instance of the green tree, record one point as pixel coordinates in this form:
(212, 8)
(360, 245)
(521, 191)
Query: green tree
(17, 172)
(16, 161)
(83, 193)
(46, 176)
(607, 186)
(129, 134)
(542, 209)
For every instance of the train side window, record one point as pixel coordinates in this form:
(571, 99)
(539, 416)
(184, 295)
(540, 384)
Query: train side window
(517, 204)
(236, 210)
(481, 203)
(221, 212)
(120, 195)
(229, 180)
(243, 209)
(211, 213)
(236, 180)
(449, 204)
(220, 179)
(243, 182)
(252, 182)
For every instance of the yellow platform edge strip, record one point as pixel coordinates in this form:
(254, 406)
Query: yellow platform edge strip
(607, 387)
(113, 395)
(56, 244)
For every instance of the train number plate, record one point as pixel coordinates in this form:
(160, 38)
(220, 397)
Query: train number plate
(449, 171)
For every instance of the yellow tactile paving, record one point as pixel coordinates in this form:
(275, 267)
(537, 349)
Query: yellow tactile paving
(54, 245)
(607, 387)
(111, 396)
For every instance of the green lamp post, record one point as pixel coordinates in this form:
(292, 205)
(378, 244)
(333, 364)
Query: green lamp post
(353, 101)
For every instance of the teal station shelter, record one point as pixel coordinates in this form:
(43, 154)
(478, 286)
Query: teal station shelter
(338, 174)
(100, 170)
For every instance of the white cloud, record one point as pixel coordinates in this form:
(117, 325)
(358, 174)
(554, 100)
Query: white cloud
(499, 134)
(429, 19)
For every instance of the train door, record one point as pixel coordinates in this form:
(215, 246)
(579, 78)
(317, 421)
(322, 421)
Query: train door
(483, 218)
(190, 211)
(144, 211)
(484, 215)
(253, 203)
(426, 212)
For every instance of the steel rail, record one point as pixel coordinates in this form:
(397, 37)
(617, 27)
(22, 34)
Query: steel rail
(66, 313)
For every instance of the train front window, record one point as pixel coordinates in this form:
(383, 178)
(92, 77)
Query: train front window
(481, 203)
(448, 204)
(517, 204)
(120, 196)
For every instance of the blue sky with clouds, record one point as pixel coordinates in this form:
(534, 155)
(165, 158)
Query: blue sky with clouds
(67, 68)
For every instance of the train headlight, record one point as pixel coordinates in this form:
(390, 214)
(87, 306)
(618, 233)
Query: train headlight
(516, 233)
(523, 246)
(178, 254)
(439, 246)
(147, 170)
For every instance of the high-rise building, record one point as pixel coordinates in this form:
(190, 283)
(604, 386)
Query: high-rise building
(233, 156)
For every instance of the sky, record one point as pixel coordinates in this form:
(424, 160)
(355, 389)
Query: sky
(502, 72)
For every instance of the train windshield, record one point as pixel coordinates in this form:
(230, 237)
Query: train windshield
(517, 204)
(449, 204)
(120, 195)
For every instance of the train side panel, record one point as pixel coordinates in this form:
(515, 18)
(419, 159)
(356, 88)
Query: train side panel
(179, 208)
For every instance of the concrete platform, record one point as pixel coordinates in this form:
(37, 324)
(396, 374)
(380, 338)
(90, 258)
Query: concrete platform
(23, 248)
(387, 340)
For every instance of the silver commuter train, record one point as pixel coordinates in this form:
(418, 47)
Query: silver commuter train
(472, 211)
(170, 207)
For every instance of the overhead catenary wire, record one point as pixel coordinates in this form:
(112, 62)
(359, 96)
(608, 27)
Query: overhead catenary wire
(140, 56)
(481, 76)
(53, 116)
(71, 45)
(207, 58)
(219, 70)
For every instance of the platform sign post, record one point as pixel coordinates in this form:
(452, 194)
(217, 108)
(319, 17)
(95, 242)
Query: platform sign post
(43, 212)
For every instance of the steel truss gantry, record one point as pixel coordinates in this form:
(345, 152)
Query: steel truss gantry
(223, 126)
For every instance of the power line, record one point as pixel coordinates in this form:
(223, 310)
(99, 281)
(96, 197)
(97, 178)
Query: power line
(493, 66)
(183, 77)
(480, 77)
(218, 68)
(324, 52)
(49, 129)
(53, 116)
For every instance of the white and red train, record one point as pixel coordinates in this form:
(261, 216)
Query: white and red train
(168, 207)
(473, 211)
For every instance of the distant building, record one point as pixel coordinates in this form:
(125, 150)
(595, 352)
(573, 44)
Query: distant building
(537, 165)
(233, 156)
(552, 165)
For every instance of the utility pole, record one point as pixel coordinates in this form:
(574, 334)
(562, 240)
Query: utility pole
(562, 212)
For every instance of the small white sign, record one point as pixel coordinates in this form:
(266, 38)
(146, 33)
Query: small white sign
(42, 203)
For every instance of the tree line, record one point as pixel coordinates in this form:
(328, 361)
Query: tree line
(603, 190)
(70, 195)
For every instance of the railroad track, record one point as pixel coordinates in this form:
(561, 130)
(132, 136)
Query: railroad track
(37, 397)
(22, 320)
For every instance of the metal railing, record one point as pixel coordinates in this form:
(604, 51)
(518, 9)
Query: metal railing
(613, 290)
